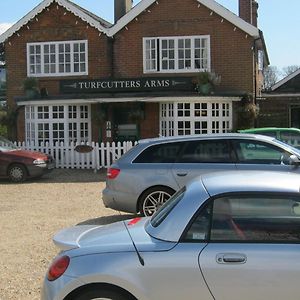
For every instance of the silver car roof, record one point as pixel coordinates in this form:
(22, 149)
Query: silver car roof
(202, 188)
(206, 136)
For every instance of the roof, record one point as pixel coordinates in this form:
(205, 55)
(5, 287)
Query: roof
(269, 129)
(205, 136)
(251, 181)
(285, 81)
(78, 11)
(109, 30)
(210, 4)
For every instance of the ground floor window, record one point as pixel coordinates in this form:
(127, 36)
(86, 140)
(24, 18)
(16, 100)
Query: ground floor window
(57, 123)
(186, 118)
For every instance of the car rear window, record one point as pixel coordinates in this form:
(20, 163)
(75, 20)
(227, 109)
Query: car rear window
(165, 210)
(161, 153)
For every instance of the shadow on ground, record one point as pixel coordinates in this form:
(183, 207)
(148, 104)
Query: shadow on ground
(66, 175)
(107, 219)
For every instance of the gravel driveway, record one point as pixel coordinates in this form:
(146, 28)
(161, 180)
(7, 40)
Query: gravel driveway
(30, 213)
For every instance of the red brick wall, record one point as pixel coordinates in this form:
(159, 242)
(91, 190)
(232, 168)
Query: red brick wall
(231, 50)
(54, 25)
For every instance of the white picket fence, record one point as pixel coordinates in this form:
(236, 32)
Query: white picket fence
(101, 156)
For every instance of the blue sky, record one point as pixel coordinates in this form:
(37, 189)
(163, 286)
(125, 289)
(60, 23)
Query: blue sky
(278, 19)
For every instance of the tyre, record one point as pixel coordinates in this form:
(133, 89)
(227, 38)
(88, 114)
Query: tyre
(100, 294)
(152, 199)
(17, 173)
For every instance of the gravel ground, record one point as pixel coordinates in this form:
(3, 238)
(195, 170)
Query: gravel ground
(30, 214)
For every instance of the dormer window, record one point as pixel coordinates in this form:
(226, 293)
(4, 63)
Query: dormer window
(64, 58)
(176, 54)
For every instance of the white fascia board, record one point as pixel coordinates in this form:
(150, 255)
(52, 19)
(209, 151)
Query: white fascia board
(231, 17)
(132, 14)
(43, 5)
(285, 79)
(129, 99)
(211, 4)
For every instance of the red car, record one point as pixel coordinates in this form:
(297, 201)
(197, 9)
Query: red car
(18, 165)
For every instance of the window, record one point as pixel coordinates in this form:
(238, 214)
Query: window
(260, 60)
(57, 123)
(206, 152)
(168, 206)
(252, 152)
(248, 218)
(290, 137)
(185, 118)
(162, 153)
(176, 54)
(256, 218)
(57, 58)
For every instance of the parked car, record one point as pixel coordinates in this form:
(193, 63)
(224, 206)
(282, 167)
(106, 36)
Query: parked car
(18, 165)
(290, 136)
(230, 235)
(146, 176)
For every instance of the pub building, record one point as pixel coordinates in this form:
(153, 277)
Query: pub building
(164, 68)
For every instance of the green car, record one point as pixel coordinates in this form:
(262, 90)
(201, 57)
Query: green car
(290, 136)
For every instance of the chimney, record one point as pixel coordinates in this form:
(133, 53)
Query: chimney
(248, 11)
(254, 13)
(121, 8)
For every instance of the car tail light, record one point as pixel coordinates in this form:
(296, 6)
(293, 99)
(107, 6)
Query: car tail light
(58, 267)
(112, 173)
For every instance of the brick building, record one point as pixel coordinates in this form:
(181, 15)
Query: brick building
(280, 106)
(136, 78)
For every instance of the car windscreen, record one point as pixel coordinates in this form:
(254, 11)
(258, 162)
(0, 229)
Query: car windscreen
(165, 210)
(296, 150)
(6, 145)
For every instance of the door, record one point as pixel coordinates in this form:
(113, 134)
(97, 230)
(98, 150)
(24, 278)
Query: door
(253, 250)
(202, 156)
(257, 155)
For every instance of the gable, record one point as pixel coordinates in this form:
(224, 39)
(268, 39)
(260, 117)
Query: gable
(83, 14)
(289, 84)
(215, 7)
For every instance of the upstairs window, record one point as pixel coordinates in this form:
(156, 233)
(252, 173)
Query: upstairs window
(176, 54)
(65, 58)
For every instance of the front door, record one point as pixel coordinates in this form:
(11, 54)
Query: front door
(295, 117)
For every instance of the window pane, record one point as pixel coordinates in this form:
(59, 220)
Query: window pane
(251, 152)
(206, 152)
(164, 153)
(251, 219)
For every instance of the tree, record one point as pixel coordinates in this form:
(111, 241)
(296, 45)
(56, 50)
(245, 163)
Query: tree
(286, 71)
(271, 75)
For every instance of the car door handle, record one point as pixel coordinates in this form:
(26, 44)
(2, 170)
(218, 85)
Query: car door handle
(181, 174)
(233, 258)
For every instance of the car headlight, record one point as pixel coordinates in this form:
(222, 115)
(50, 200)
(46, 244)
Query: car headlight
(39, 161)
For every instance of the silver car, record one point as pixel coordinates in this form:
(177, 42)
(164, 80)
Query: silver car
(226, 236)
(146, 176)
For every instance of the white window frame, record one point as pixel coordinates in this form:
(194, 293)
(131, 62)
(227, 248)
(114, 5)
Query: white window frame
(61, 116)
(217, 116)
(57, 63)
(159, 58)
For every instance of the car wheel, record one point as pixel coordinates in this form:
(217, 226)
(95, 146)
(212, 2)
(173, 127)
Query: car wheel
(100, 294)
(17, 173)
(152, 199)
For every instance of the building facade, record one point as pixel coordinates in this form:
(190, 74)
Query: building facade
(280, 105)
(163, 68)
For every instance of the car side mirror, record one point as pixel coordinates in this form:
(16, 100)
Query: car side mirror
(294, 160)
